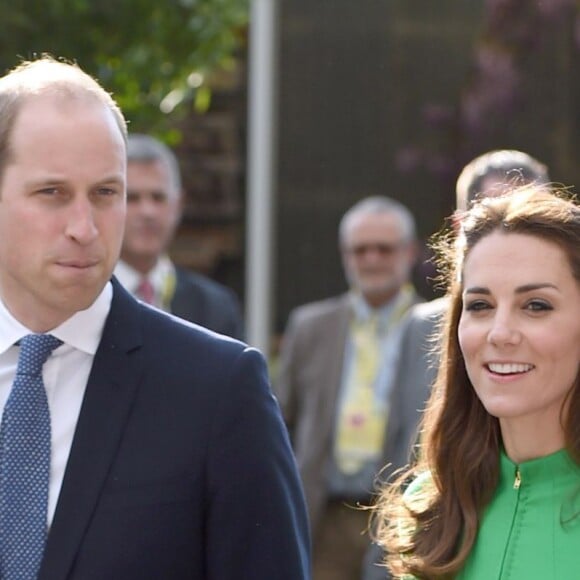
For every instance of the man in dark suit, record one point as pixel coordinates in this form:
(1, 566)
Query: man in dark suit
(154, 207)
(167, 454)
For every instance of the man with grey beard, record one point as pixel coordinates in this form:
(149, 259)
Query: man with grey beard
(344, 412)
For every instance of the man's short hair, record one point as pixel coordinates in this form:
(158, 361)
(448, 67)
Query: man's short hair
(146, 149)
(379, 204)
(47, 76)
(506, 165)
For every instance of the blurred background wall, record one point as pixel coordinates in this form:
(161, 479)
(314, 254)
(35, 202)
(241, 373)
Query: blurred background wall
(394, 97)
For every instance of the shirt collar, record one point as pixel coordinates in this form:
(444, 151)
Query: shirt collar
(131, 278)
(82, 330)
(363, 311)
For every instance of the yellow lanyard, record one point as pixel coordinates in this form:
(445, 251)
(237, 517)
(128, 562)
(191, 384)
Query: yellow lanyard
(362, 422)
(168, 290)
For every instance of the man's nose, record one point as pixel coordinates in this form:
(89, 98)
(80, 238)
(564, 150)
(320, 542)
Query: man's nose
(81, 224)
(146, 205)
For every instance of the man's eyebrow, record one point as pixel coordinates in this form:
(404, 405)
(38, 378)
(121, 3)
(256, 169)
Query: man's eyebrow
(115, 177)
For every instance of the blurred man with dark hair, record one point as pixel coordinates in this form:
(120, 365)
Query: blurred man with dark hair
(489, 173)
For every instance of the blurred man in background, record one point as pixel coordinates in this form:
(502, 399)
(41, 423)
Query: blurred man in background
(154, 208)
(335, 384)
(490, 173)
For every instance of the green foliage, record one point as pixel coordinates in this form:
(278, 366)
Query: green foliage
(152, 55)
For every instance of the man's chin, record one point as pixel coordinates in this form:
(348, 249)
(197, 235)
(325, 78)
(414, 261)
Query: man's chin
(141, 253)
(378, 292)
(378, 288)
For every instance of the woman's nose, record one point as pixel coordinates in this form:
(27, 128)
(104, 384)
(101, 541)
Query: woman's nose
(503, 331)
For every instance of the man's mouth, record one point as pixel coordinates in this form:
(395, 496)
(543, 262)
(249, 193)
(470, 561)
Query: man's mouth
(79, 264)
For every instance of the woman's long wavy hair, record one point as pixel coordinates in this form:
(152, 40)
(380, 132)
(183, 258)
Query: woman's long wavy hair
(430, 532)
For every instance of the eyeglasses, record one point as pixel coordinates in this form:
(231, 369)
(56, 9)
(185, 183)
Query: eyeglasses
(383, 250)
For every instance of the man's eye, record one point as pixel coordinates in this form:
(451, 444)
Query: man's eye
(159, 197)
(106, 191)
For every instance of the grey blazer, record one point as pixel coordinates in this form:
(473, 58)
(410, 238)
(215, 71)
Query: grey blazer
(308, 384)
(416, 373)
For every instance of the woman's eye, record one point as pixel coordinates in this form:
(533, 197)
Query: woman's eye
(538, 305)
(477, 305)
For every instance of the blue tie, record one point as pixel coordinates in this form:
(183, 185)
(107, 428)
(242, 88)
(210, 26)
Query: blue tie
(25, 463)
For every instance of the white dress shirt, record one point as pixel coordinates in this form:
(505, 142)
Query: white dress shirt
(65, 376)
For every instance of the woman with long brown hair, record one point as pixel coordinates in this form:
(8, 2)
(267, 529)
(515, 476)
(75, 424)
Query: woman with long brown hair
(495, 490)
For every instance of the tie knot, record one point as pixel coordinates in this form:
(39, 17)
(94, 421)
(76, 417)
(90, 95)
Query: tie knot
(34, 350)
(145, 291)
(368, 326)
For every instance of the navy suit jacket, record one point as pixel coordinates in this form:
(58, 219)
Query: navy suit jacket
(205, 302)
(180, 467)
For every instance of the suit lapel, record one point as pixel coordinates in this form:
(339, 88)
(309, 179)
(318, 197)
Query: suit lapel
(106, 405)
(186, 301)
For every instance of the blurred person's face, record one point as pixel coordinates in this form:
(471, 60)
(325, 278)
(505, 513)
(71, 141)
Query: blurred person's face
(376, 255)
(494, 185)
(62, 209)
(519, 330)
(153, 212)
(497, 184)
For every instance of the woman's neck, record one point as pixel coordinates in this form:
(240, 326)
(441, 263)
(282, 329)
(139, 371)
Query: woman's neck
(526, 438)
